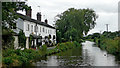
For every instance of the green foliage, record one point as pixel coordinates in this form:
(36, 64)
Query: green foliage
(30, 40)
(22, 39)
(7, 60)
(59, 36)
(7, 38)
(61, 47)
(109, 41)
(112, 46)
(44, 47)
(19, 57)
(71, 34)
(75, 23)
(9, 12)
(67, 45)
(76, 43)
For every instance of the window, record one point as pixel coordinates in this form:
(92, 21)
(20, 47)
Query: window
(31, 28)
(27, 27)
(46, 30)
(36, 28)
(43, 29)
(53, 36)
(40, 29)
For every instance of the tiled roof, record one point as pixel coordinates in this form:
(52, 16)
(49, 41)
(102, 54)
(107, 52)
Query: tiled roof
(24, 17)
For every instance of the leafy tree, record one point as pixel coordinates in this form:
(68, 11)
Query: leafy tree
(9, 10)
(79, 21)
(71, 34)
(59, 38)
(96, 35)
(7, 39)
(9, 16)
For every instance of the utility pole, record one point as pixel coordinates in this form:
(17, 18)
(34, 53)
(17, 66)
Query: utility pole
(107, 27)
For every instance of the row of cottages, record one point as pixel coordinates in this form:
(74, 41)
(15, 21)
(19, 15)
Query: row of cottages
(38, 29)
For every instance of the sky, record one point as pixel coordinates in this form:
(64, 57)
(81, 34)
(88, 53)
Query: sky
(107, 11)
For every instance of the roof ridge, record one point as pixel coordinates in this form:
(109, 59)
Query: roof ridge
(34, 21)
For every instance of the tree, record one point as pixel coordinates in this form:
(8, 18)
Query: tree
(79, 21)
(9, 17)
(59, 38)
(9, 10)
(96, 35)
(71, 34)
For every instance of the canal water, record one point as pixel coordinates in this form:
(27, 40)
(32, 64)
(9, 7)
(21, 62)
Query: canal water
(90, 55)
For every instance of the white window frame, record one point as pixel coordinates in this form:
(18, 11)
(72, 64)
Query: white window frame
(40, 29)
(46, 30)
(31, 28)
(28, 27)
(43, 29)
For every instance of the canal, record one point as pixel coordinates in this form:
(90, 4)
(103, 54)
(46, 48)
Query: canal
(90, 55)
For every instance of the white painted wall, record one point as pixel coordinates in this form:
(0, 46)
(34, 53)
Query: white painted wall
(23, 24)
(19, 25)
(27, 43)
(27, 32)
(16, 42)
(43, 34)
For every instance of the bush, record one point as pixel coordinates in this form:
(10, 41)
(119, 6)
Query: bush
(7, 52)
(76, 43)
(111, 45)
(8, 60)
(44, 47)
(19, 57)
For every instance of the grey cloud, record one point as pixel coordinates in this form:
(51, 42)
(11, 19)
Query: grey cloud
(106, 9)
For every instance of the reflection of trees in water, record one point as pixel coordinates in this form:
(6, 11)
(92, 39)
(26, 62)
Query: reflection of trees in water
(70, 57)
(86, 58)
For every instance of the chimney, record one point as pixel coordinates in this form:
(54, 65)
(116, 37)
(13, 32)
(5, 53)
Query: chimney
(39, 16)
(46, 21)
(29, 12)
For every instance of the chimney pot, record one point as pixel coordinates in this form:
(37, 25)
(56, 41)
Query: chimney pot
(46, 21)
(29, 12)
(39, 16)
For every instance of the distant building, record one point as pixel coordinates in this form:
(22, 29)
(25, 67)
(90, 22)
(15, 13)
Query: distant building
(38, 29)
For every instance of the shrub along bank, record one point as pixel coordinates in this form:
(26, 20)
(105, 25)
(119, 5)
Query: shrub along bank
(19, 57)
(109, 41)
(111, 45)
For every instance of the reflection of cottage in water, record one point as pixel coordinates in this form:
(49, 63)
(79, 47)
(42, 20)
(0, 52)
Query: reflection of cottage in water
(41, 32)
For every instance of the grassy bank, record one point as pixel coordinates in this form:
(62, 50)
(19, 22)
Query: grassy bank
(19, 57)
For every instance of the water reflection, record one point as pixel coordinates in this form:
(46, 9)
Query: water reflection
(90, 56)
(95, 57)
